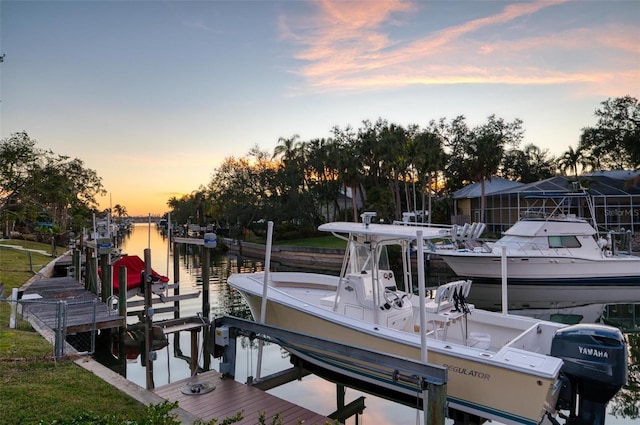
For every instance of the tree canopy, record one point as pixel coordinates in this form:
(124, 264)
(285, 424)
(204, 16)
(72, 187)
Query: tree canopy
(614, 142)
(388, 168)
(36, 183)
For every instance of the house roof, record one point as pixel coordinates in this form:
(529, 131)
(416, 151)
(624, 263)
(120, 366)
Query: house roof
(598, 184)
(601, 183)
(496, 184)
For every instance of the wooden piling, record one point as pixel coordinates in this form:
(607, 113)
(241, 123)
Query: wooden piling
(176, 279)
(148, 310)
(106, 289)
(206, 306)
(122, 311)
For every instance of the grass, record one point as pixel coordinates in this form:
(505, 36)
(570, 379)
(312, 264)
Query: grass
(317, 242)
(33, 386)
(37, 389)
(27, 244)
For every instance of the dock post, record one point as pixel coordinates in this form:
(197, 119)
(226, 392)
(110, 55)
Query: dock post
(346, 411)
(148, 320)
(436, 400)
(206, 307)
(176, 279)
(77, 263)
(89, 282)
(106, 289)
(122, 311)
(14, 308)
(194, 352)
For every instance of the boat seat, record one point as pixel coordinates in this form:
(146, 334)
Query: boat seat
(446, 307)
(445, 296)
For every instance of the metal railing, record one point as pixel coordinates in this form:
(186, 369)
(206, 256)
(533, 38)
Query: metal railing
(59, 322)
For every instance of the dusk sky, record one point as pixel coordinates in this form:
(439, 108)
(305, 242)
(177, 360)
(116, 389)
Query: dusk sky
(153, 95)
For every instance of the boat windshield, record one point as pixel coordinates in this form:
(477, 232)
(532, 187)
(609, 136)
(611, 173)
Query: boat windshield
(363, 255)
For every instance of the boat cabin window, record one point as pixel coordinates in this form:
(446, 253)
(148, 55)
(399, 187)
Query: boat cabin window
(569, 241)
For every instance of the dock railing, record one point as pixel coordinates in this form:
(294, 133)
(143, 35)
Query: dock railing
(54, 319)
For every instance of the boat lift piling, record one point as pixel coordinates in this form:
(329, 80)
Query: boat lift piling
(428, 378)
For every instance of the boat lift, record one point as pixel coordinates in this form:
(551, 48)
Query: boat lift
(430, 380)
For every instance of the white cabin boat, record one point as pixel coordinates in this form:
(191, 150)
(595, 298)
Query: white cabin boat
(552, 260)
(507, 368)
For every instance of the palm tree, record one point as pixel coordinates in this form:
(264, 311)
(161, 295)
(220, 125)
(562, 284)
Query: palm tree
(120, 211)
(429, 160)
(287, 149)
(485, 155)
(572, 159)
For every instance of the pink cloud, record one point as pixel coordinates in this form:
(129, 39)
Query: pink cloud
(347, 46)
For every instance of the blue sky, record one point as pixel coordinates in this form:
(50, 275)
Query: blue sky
(153, 95)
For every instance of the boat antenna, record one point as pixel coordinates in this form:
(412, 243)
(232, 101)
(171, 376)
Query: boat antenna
(366, 218)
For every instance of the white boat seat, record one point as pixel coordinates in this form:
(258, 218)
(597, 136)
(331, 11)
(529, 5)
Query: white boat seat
(442, 309)
(444, 298)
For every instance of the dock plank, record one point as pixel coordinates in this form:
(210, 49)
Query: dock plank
(230, 397)
(83, 308)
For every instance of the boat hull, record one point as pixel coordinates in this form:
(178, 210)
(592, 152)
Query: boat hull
(474, 386)
(547, 282)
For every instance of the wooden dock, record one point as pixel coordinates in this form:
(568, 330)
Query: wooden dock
(230, 397)
(83, 308)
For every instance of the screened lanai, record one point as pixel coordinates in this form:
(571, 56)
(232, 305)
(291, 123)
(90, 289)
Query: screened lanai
(615, 195)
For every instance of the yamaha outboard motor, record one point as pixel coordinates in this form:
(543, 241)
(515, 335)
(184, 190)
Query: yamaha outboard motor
(594, 369)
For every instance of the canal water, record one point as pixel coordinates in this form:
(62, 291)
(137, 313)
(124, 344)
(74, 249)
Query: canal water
(172, 362)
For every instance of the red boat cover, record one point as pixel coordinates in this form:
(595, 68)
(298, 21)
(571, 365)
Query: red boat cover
(135, 266)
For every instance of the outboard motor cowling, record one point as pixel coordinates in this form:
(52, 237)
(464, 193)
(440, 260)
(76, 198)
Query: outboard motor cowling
(594, 370)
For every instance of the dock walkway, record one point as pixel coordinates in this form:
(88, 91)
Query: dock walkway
(82, 308)
(230, 397)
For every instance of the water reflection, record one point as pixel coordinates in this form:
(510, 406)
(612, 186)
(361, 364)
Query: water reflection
(173, 362)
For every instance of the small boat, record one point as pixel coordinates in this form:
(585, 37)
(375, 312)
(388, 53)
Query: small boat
(507, 368)
(135, 268)
(552, 260)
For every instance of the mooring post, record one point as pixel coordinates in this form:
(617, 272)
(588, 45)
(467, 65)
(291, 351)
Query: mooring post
(176, 279)
(194, 351)
(206, 307)
(437, 401)
(122, 311)
(88, 275)
(148, 322)
(106, 289)
(77, 263)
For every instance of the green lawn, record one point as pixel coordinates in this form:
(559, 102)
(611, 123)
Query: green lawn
(33, 386)
(317, 242)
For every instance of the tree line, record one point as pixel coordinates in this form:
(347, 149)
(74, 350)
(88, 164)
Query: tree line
(380, 166)
(389, 168)
(54, 192)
